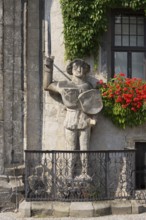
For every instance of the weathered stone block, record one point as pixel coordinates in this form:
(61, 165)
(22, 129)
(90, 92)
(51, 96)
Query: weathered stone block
(8, 82)
(17, 128)
(33, 5)
(18, 48)
(61, 209)
(18, 64)
(5, 189)
(34, 137)
(41, 208)
(80, 210)
(33, 64)
(17, 111)
(33, 46)
(18, 79)
(25, 209)
(8, 95)
(1, 65)
(33, 79)
(18, 11)
(18, 34)
(18, 6)
(121, 207)
(101, 208)
(33, 19)
(33, 34)
(18, 20)
(1, 128)
(1, 31)
(17, 171)
(8, 5)
(9, 12)
(8, 62)
(18, 146)
(1, 86)
(16, 183)
(17, 42)
(8, 31)
(1, 161)
(137, 207)
(1, 111)
(1, 11)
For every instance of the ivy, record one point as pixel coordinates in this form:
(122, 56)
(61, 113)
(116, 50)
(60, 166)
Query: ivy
(85, 21)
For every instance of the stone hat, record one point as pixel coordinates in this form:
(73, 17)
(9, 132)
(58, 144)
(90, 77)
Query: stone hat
(79, 61)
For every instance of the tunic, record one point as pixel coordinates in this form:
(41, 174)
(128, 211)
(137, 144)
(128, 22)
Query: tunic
(75, 117)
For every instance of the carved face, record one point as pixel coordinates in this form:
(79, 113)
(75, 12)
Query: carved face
(78, 69)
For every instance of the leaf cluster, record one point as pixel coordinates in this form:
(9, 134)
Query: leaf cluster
(85, 21)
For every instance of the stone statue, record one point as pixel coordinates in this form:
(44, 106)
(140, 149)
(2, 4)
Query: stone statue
(82, 102)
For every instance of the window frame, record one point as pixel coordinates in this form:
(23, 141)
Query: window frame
(128, 49)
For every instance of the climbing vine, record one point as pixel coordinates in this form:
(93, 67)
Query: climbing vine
(85, 21)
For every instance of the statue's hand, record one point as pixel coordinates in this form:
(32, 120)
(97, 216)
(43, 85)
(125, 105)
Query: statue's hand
(48, 73)
(93, 122)
(49, 63)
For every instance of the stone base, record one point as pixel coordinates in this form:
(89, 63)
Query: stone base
(11, 188)
(121, 207)
(5, 194)
(80, 209)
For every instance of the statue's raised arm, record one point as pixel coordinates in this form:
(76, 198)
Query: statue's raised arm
(49, 85)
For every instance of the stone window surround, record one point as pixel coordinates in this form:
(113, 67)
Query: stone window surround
(132, 140)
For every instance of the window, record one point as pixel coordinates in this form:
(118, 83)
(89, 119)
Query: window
(129, 44)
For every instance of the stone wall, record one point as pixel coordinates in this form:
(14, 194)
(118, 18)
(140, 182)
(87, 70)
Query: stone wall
(106, 136)
(31, 118)
(11, 78)
(53, 110)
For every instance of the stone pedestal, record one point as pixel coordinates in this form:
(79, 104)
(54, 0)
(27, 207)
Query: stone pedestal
(5, 192)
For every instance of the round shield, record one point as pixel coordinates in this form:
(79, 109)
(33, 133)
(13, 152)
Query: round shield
(91, 101)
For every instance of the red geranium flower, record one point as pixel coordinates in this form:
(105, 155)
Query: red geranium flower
(124, 100)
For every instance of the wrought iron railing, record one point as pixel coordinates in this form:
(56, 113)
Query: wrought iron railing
(79, 175)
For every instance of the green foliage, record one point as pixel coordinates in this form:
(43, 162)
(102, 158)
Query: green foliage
(85, 21)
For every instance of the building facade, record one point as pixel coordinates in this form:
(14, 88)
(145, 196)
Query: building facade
(31, 118)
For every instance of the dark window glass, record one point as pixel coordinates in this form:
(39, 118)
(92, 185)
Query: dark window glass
(129, 28)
